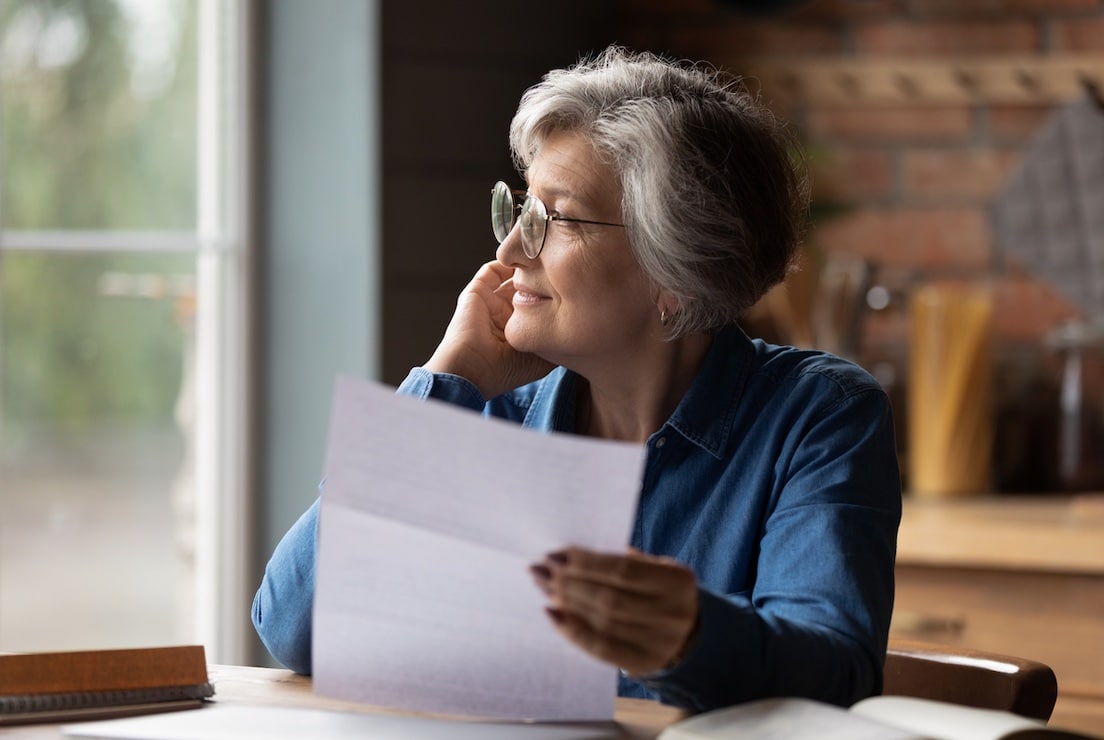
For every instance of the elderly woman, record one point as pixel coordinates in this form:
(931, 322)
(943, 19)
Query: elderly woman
(661, 202)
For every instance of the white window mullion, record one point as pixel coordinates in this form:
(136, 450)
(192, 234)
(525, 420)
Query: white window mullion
(223, 506)
(106, 241)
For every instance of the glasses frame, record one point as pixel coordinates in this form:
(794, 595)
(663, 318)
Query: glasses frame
(530, 206)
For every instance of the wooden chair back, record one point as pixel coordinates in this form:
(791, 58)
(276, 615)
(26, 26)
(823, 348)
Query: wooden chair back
(970, 677)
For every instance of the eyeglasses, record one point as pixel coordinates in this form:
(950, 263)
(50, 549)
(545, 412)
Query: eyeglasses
(534, 218)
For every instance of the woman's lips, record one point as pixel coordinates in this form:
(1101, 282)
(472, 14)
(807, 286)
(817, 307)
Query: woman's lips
(524, 296)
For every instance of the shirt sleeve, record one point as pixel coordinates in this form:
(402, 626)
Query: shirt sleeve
(283, 603)
(816, 622)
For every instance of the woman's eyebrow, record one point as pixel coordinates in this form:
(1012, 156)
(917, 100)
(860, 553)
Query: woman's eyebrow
(573, 198)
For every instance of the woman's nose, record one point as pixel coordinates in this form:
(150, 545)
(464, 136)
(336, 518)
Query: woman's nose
(509, 252)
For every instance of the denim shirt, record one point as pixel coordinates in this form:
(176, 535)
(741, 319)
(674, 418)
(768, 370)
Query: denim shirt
(775, 480)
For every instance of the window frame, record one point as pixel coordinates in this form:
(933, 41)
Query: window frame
(224, 245)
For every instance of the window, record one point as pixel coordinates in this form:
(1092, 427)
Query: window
(124, 248)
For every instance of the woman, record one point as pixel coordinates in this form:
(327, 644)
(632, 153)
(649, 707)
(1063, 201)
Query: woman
(661, 204)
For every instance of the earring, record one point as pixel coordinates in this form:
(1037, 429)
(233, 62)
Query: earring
(663, 317)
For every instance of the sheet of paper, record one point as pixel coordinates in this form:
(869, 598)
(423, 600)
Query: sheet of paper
(242, 722)
(431, 516)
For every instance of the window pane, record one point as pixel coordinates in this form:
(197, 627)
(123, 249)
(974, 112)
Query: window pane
(95, 434)
(99, 123)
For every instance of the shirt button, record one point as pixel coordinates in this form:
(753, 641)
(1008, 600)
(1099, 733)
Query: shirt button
(660, 442)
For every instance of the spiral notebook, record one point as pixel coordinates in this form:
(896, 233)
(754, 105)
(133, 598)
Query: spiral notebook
(97, 684)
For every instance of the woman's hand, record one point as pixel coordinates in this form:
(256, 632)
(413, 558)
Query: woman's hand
(636, 611)
(475, 347)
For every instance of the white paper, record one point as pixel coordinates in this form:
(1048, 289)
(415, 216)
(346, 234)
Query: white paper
(431, 516)
(242, 722)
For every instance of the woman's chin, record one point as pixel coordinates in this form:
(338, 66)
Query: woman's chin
(517, 337)
(521, 337)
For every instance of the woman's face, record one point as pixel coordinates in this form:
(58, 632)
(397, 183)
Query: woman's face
(584, 297)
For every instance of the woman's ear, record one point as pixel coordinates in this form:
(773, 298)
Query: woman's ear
(667, 306)
(666, 303)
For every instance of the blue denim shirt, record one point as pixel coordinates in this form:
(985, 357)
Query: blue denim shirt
(775, 480)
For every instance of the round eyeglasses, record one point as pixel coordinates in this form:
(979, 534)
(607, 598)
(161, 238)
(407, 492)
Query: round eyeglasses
(534, 218)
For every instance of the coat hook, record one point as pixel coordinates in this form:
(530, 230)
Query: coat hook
(849, 83)
(907, 85)
(1028, 81)
(1092, 89)
(967, 81)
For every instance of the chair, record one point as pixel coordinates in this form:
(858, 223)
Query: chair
(970, 677)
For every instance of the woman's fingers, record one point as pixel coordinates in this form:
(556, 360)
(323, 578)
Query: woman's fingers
(634, 571)
(474, 345)
(635, 610)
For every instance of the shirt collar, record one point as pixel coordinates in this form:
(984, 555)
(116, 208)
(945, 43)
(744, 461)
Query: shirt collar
(718, 386)
(706, 413)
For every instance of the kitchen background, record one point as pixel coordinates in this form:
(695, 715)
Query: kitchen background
(916, 116)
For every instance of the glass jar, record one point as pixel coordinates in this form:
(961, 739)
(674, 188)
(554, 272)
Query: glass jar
(1079, 347)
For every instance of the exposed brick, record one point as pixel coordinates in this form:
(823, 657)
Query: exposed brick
(938, 239)
(1024, 311)
(891, 123)
(788, 110)
(638, 8)
(880, 329)
(848, 175)
(1000, 8)
(728, 43)
(1027, 309)
(1017, 123)
(1082, 34)
(915, 180)
(849, 10)
(945, 175)
(967, 37)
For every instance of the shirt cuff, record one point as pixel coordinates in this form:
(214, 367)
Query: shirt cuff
(421, 383)
(678, 684)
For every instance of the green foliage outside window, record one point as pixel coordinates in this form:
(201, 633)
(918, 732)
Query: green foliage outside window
(98, 133)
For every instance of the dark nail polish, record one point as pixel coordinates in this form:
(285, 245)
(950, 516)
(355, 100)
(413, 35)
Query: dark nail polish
(542, 577)
(559, 557)
(555, 615)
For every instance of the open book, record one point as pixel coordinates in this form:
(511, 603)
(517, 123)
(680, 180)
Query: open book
(876, 718)
(94, 684)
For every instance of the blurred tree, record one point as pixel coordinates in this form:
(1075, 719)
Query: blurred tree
(98, 132)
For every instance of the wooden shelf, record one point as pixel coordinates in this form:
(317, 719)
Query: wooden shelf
(1020, 575)
(1042, 533)
(1033, 79)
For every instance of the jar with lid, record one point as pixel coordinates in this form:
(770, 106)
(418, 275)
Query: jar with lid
(1079, 348)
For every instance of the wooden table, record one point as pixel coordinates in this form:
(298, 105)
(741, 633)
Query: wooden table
(636, 719)
(1020, 575)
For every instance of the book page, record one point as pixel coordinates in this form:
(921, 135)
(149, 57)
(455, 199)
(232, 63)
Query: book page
(430, 518)
(784, 719)
(945, 721)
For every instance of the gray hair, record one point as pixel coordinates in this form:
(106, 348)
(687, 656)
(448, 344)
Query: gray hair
(714, 197)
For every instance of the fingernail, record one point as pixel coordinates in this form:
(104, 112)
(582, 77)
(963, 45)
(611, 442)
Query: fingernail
(559, 557)
(542, 575)
(554, 614)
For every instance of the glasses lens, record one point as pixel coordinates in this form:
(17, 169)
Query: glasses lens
(534, 220)
(502, 211)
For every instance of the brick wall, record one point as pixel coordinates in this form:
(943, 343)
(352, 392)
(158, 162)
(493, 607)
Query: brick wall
(914, 180)
(910, 180)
